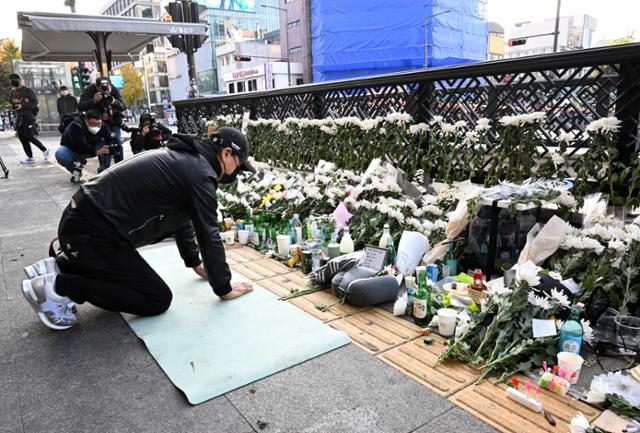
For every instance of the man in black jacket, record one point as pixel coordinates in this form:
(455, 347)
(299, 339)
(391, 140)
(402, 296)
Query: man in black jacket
(85, 137)
(25, 102)
(106, 99)
(141, 201)
(67, 104)
(150, 134)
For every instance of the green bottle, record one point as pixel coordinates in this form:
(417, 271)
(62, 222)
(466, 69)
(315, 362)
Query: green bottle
(452, 263)
(391, 251)
(422, 314)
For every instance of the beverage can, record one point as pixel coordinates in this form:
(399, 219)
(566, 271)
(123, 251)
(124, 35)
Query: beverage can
(432, 272)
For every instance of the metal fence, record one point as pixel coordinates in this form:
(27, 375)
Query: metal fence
(573, 88)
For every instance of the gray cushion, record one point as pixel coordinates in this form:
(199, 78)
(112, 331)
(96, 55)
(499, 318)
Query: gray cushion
(362, 288)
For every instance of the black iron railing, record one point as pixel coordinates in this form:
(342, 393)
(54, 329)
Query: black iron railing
(573, 88)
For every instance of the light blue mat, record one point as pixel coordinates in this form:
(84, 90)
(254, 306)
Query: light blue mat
(209, 347)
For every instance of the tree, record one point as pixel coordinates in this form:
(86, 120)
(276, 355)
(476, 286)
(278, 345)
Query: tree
(132, 90)
(8, 51)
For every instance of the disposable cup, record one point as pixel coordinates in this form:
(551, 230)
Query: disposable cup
(243, 237)
(283, 245)
(570, 362)
(447, 321)
(228, 237)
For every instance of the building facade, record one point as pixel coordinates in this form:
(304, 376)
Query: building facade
(495, 44)
(260, 55)
(295, 34)
(266, 76)
(153, 60)
(574, 33)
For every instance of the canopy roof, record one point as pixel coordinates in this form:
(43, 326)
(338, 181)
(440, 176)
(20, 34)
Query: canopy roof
(68, 37)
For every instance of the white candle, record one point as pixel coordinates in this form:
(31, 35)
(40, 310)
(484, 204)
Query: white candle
(524, 400)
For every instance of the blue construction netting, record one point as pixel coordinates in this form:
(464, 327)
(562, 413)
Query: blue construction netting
(367, 37)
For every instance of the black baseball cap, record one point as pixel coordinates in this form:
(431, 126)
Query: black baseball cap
(231, 137)
(14, 77)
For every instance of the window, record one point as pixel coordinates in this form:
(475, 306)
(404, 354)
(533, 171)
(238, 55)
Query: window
(299, 81)
(232, 88)
(293, 24)
(288, 1)
(295, 50)
(252, 85)
(273, 83)
(164, 81)
(240, 86)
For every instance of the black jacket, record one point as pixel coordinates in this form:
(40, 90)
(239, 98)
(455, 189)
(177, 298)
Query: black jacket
(141, 142)
(153, 195)
(112, 114)
(27, 99)
(78, 138)
(67, 105)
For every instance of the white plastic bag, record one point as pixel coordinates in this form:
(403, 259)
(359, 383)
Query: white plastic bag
(412, 247)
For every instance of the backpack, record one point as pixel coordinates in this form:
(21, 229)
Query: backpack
(66, 120)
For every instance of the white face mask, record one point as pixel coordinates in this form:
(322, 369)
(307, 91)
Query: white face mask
(64, 92)
(94, 129)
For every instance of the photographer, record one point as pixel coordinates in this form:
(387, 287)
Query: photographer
(85, 137)
(25, 102)
(140, 202)
(106, 99)
(149, 134)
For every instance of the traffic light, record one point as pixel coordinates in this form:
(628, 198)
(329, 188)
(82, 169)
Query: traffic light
(516, 42)
(85, 77)
(191, 14)
(239, 58)
(75, 79)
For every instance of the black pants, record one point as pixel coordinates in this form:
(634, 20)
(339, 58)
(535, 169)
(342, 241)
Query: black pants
(26, 130)
(106, 272)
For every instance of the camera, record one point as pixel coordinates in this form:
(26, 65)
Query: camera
(114, 149)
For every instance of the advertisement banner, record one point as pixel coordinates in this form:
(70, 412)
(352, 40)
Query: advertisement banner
(233, 5)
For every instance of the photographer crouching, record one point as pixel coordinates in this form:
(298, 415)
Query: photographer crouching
(106, 99)
(84, 137)
(149, 134)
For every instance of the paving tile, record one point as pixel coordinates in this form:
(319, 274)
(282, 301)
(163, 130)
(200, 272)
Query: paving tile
(282, 285)
(346, 390)
(455, 420)
(417, 360)
(488, 402)
(10, 411)
(376, 330)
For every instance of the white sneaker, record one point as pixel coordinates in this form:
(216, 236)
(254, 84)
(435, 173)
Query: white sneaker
(42, 267)
(28, 161)
(46, 154)
(52, 309)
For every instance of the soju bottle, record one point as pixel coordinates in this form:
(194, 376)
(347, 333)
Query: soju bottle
(346, 244)
(297, 228)
(452, 263)
(571, 331)
(385, 236)
(422, 314)
(391, 251)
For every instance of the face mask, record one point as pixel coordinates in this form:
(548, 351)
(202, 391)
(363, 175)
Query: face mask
(15, 83)
(94, 129)
(229, 178)
(64, 93)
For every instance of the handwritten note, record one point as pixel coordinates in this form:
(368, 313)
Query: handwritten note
(543, 328)
(374, 258)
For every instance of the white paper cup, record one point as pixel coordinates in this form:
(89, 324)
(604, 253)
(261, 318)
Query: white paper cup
(570, 362)
(228, 237)
(243, 237)
(283, 245)
(447, 321)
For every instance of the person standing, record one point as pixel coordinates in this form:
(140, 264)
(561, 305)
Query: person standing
(25, 102)
(105, 98)
(67, 104)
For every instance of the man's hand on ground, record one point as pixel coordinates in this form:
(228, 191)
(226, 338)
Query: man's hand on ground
(200, 271)
(238, 289)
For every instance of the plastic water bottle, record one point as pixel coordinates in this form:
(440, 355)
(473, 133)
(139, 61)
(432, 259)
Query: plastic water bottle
(571, 331)
(297, 228)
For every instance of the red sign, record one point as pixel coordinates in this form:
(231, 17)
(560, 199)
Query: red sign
(245, 73)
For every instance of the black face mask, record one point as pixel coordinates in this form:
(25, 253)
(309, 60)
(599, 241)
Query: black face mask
(229, 178)
(15, 83)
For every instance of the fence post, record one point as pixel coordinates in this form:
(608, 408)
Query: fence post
(628, 109)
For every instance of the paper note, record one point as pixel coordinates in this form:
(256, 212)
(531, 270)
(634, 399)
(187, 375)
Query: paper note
(374, 258)
(543, 328)
(341, 215)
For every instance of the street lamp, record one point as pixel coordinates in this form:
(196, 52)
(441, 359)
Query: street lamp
(286, 29)
(425, 32)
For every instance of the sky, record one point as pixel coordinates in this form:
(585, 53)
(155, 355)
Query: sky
(615, 17)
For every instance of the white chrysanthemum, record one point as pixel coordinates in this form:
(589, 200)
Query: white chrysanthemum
(460, 124)
(556, 157)
(538, 301)
(560, 298)
(382, 131)
(510, 120)
(633, 232)
(566, 137)
(330, 130)
(604, 125)
(579, 424)
(566, 199)
(598, 392)
(437, 120)
(440, 224)
(498, 290)
(528, 272)
(587, 331)
(470, 138)
(399, 118)
(483, 124)
(420, 128)
(618, 245)
(448, 128)
(625, 386)
(367, 125)
(529, 118)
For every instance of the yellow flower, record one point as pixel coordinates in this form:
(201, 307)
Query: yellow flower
(266, 199)
(277, 188)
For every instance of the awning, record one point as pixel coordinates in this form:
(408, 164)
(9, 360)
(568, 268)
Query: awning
(72, 37)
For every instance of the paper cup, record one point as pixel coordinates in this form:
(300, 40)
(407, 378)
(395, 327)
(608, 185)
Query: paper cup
(243, 237)
(228, 237)
(570, 362)
(283, 245)
(447, 321)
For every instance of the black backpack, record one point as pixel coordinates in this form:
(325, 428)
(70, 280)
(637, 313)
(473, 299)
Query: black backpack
(66, 120)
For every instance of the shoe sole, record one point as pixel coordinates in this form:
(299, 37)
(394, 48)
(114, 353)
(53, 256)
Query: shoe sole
(31, 272)
(32, 299)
